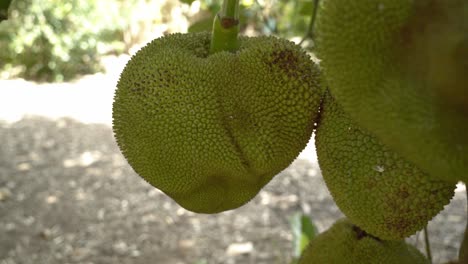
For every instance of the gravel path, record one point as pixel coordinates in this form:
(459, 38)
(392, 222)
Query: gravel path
(68, 196)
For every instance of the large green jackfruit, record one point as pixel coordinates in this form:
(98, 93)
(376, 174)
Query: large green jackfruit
(374, 187)
(400, 69)
(345, 243)
(211, 130)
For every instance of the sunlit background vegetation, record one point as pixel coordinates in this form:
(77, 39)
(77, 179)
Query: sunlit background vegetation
(60, 40)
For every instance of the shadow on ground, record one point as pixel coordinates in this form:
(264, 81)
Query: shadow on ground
(68, 196)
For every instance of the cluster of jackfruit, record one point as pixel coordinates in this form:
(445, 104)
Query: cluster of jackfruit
(399, 69)
(391, 136)
(390, 114)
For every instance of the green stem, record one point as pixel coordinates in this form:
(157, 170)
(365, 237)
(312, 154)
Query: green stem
(428, 244)
(226, 28)
(463, 253)
(310, 30)
(230, 9)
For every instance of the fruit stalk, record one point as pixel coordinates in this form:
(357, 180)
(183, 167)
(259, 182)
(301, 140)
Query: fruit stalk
(427, 244)
(230, 9)
(226, 28)
(310, 29)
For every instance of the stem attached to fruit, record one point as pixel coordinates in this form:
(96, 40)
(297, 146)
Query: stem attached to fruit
(310, 29)
(226, 28)
(428, 245)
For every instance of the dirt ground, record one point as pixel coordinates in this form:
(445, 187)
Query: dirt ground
(68, 196)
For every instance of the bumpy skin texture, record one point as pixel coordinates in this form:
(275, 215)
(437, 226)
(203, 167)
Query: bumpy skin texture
(373, 186)
(344, 243)
(211, 130)
(399, 68)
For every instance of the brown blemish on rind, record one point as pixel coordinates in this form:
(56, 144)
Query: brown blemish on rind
(286, 60)
(399, 225)
(403, 193)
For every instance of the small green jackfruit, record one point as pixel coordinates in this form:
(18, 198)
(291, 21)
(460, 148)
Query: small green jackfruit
(373, 186)
(400, 69)
(345, 243)
(211, 130)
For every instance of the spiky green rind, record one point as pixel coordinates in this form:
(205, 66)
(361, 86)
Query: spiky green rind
(211, 130)
(399, 68)
(344, 243)
(374, 187)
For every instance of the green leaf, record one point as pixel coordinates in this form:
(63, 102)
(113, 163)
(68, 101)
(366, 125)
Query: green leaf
(303, 231)
(306, 8)
(189, 2)
(4, 5)
(204, 24)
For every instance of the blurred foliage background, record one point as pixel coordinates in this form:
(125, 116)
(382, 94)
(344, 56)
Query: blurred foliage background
(60, 40)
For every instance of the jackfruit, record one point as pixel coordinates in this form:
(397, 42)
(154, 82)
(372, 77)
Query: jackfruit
(345, 243)
(373, 186)
(211, 130)
(400, 69)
